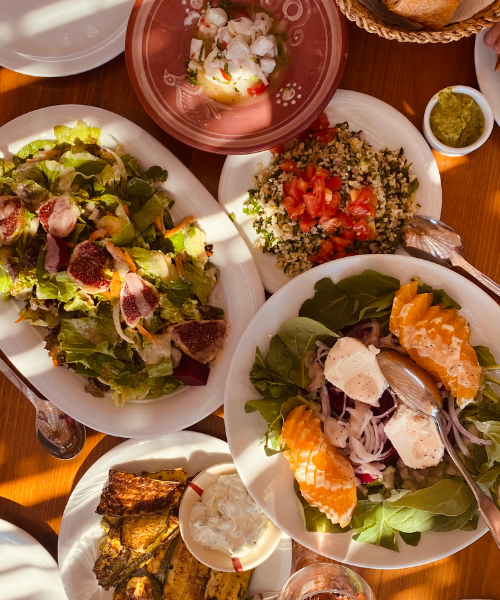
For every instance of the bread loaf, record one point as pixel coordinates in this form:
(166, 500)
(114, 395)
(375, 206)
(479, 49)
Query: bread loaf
(432, 14)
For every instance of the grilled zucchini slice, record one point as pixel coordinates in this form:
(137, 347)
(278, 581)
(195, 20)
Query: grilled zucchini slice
(186, 577)
(139, 588)
(138, 533)
(228, 586)
(160, 563)
(179, 475)
(113, 559)
(129, 495)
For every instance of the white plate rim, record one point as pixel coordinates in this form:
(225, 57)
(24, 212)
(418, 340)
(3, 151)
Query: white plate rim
(274, 278)
(487, 78)
(231, 255)
(39, 66)
(38, 556)
(244, 449)
(126, 451)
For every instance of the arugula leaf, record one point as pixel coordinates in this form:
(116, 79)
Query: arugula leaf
(438, 296)
(449, 497)
(329, 305)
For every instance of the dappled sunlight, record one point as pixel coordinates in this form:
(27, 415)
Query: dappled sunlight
(409, 111)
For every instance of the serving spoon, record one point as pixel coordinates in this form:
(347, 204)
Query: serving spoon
(418, 391)
(433, 240)
(60, 435)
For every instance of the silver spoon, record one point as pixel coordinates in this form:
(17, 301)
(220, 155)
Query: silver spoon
(433, 240)
(59, 434)
(417, 390)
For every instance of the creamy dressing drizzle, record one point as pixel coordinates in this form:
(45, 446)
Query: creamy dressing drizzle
(136, 287)
(63, 217)
(227, 518)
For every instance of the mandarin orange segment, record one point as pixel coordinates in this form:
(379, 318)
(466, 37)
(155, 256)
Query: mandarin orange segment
(325, 477)
(437, 339)
(404, 295)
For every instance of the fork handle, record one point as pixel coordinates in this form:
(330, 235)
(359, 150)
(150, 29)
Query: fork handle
(459, 261)
(487, 507)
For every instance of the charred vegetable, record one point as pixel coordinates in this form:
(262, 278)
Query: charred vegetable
(187, 577)
(139, 588)
(227, 586)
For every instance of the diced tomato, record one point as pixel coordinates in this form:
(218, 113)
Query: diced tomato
(306, 223)
(319, 190)
(310, 171)
(341, 254)
(316, 259)
(327, 212)
(324, 136)
(321, 121)
(293, 208)
(235, 12)
(223, 45)
(303, 185)
(345, 221)
(339, 243)
(225, 75)
(287, 165)
(257, 90)
(291, 189)
(313, 204)
(334, 183)
(325, 249)
(277, 149)
(320, 174)
(367, 195)
(364, 230)
(363, 203)
(358, 211)
(330, 225)
(349, 234)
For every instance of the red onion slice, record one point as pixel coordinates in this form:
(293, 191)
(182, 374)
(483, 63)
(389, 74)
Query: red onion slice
(461, 429)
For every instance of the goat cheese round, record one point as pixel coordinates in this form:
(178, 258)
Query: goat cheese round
(227, 518)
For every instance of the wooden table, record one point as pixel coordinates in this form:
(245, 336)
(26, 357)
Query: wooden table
(35, 487)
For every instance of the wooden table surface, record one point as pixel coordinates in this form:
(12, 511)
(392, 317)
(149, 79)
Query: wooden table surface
(34, 487)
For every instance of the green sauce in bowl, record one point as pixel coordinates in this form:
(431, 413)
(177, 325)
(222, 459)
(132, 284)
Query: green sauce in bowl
(456, 119)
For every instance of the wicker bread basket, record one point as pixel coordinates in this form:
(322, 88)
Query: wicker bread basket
(366, 19)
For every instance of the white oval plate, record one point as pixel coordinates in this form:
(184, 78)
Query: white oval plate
(383, 125)
(80, 531)
(488, 79)
(50, 39)
(27, 570)
(23, 344)
(269, 479)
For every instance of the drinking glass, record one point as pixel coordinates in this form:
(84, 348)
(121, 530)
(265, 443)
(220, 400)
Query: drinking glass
(325, 581)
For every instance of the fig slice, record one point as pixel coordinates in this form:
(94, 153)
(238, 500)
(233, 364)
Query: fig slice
(138, 299)
(58, 216)
(56, 257)
(12, 219)
(200, 340)
(86, 267)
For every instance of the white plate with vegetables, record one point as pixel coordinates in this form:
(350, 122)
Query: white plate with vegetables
(80, 531)
(382, 126)
(400, 514)
(107, 255)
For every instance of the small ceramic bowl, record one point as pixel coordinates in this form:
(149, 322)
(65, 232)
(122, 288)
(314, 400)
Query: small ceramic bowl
(488, 122)
(217, 559)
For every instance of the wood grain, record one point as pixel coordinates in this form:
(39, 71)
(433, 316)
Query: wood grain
(34, 487)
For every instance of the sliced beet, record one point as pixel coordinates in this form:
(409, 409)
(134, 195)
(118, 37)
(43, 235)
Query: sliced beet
(392, 459)
(366, 478)
(337, 398)
(191, 372)
(57, 254)
(385, 403)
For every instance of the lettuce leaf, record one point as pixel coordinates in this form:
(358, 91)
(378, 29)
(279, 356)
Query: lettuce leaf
(194, 246)
(84, 162)
(60, 287)
(202, 282)
(85, 133)
(6, 284)
(31, 149)
(153, 262)
(152, 209)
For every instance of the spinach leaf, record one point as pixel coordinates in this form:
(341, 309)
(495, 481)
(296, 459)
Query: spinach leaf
(378, 532)
(449, 497)
(371, 292)
(412, 539)
(438, 296)
(156, 173)
(266, 381)
(486, 358)
(408, 520)
(329, 305)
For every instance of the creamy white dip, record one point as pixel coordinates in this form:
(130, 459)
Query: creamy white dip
(227, 518)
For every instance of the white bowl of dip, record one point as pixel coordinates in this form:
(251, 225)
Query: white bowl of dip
(219, 559)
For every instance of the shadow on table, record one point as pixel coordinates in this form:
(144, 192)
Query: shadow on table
(26, 519)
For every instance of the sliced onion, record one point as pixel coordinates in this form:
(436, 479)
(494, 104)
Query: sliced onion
(344, 407)
(383, 415)
(326, 409)
(461, 429)
(369, 439)
(460, 442)
(118, 325)
(359, 453)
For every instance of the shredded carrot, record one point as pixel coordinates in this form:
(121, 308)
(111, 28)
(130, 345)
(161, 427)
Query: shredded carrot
(115, 285)
(181, 225)
(110, 247)
(178, 264)
(99, 233)
(209, 253)
(129, 261)
(146, 334)
(106, 294)
(55, 363)
(126, 209)
(159, 224)
(21, 318)
(69, 244)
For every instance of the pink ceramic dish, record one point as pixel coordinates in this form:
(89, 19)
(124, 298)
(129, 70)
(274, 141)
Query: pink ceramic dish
(157, 46)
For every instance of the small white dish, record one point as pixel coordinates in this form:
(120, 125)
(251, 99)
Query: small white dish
(485, 107)
(216, 559)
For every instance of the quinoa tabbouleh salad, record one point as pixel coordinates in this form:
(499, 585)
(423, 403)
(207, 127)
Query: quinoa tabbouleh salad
(329, 194)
